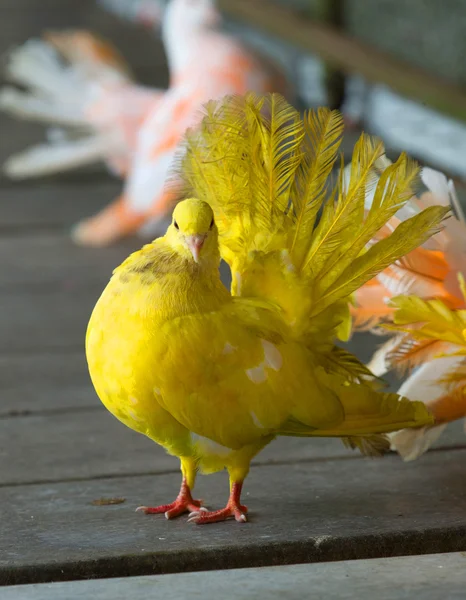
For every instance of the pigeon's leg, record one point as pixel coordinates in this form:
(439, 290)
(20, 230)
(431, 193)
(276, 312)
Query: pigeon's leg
(233, 509)
(184, 502)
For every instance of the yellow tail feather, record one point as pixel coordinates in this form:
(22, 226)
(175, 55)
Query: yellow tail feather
(267, 174)
(366, 412)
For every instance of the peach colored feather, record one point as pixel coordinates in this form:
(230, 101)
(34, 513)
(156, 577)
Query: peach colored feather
(429, 271)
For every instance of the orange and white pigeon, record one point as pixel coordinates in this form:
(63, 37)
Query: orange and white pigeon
(432, 272)
(134, 129)
(438, 332)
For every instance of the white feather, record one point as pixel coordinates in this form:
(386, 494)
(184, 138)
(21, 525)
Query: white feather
(413, 443)
(378, 362)
(422, 385)
(37, 65)
(34, 108)
(437, 183)
(46, 158)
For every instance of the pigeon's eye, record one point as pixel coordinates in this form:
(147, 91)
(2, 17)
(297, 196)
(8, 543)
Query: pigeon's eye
(211, 223)
(176, 225)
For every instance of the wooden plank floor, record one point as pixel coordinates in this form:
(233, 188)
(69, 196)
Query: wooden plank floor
(310, 501)
(428, 577)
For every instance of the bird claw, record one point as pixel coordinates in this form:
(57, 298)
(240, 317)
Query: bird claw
(175, 509)
(201, 517)
(196, 512)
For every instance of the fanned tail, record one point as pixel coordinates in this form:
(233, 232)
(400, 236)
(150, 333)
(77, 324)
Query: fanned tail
(267, 174)
(63, 74)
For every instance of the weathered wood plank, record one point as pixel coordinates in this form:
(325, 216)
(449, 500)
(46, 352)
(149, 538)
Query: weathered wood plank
(44, 382)
(75, 445)
(41, 319)
(57, 205)
(51, 258)
(330, 510)
(403, 578)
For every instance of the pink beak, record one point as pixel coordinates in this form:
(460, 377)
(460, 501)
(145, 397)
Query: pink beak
(195, 243)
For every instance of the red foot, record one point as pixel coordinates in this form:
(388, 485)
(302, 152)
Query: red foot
(233, 509)
(201, 517)
(175, 509)
(183, 504)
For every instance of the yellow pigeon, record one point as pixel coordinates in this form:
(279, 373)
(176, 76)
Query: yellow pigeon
(214, 376)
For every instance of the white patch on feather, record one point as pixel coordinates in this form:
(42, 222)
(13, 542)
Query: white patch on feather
(133, 400)
(134, 416)
(257, 374)
(286, 259)
(272, 359)
(209, 446)
(157, 391)
(238, 283)
(255, 420)
(228, 348)
(272, 355)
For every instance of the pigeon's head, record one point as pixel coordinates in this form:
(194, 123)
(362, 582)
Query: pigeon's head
(193, 232)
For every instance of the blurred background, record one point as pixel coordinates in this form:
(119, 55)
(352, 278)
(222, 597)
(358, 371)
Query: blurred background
(395, 68)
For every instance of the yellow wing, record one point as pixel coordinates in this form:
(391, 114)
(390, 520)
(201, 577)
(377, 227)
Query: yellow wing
(240, 382)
